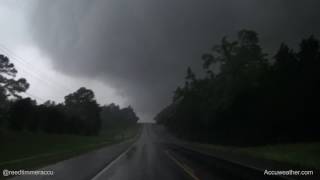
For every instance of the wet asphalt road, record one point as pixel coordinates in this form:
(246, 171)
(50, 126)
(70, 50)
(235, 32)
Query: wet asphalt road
(153, 156)
(146, 159)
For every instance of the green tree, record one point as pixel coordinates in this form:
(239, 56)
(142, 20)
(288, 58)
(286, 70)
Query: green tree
(82, 105)
(9, 86)
(8, 83)
(22, 115)
(115, 117)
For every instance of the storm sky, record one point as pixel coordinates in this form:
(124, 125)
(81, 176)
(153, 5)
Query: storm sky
(136, 51)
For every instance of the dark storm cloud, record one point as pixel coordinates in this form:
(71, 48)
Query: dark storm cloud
(143, 47)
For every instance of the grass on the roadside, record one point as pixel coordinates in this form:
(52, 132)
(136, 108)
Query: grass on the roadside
(299, 154)
(29, 151)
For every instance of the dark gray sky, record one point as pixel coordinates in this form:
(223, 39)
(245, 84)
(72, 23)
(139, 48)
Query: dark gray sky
(141, 49)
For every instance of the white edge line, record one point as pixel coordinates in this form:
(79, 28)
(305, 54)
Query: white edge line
(97, 176)
(118, 158)
(232, 161)
(183, 167)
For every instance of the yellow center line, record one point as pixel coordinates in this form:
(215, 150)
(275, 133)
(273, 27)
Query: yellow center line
(183, 166)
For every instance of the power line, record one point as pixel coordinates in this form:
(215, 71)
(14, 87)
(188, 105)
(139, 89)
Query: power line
(34, 96)
(36, 76)
(25, 63)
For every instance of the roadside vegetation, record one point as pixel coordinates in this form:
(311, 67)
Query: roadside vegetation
(247, 97)
(33, 135)
(300, 154)
(304, 155)
(26, 150)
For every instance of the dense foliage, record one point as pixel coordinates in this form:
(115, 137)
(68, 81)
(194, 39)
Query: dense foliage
(116, 117)
(79, 114)
(246, 98)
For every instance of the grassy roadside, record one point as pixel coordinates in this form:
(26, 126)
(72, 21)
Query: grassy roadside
(299, 154)
(302, 154)
(31, 151)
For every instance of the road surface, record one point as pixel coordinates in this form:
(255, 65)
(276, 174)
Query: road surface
(146, 159)
(155, 155)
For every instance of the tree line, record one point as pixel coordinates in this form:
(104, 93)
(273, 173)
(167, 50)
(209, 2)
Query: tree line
(247, 98)
(78, 114)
